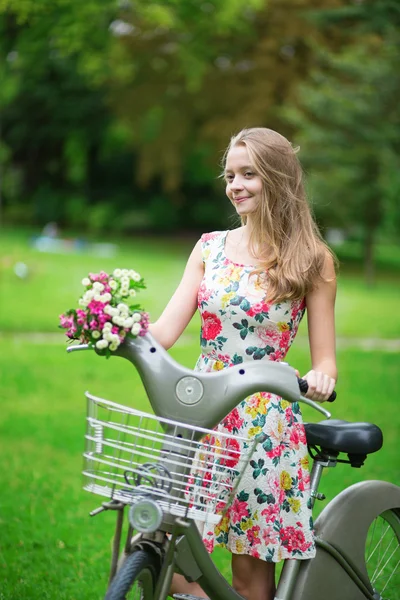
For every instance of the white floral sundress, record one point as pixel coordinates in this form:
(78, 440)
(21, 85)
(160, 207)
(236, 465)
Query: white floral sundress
(270, 516)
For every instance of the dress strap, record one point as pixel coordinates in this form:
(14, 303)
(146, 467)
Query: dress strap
(212, 243)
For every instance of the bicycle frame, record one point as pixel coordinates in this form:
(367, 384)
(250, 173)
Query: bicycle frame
(175, 391)
(338, 567)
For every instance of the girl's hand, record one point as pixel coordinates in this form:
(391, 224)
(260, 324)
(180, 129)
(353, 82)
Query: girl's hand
(320, 385)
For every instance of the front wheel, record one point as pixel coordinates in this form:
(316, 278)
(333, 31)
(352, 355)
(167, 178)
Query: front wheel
(382, 555)
(136, 579)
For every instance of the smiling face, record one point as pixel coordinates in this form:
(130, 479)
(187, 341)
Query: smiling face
(243, 185)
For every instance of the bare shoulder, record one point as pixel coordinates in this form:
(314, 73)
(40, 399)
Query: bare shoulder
(196, 256)
(328, 271)
(329, 265)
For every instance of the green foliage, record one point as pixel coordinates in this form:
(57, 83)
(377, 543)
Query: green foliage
(348, 121)
(124, 103)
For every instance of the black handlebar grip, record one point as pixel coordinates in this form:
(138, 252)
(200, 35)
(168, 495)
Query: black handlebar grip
(303, 386)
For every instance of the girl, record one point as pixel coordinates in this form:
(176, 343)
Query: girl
(252, 286)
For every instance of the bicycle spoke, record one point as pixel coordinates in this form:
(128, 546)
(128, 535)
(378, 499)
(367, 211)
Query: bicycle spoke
(381, 552)
(378, 544)
(384, 566)
(382, 558)
(391, 575)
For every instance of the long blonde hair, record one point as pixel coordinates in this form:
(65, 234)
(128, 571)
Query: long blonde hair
(283, 237)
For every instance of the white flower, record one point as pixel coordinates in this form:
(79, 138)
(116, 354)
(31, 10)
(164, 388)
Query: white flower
(107, 335)
(128, 322)
(117, 320)
(99, 287)
(136, 276)
(106, 297)
(123, 307)
(101, 344)
(88, 296)
(125, 281)
(124, 291)
(113, 284)
(117, 273)
(132, 293)
(86, 281)
(97, 297)
(107, 325)
(82, 302)
(125, 272)
(136, 329)
(136, 317)
(96, 334)
(114, 346)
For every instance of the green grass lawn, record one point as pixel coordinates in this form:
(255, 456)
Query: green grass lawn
(49, 546)
(53, 284)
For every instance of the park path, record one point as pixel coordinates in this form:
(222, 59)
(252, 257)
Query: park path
(367, 344)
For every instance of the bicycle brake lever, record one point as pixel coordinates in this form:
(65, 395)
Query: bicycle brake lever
(315, 405)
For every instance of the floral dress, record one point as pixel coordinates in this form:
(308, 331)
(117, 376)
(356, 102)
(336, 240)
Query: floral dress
(270, 516)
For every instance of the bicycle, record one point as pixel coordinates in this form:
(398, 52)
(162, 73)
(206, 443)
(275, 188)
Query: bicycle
(174, 471)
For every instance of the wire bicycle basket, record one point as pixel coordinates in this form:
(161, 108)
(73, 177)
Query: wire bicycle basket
(190, 471)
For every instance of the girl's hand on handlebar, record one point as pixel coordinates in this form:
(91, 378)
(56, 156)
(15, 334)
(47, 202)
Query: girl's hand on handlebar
(320, 386)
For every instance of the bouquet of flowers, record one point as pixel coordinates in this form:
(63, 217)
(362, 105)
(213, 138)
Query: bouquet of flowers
(107, 312)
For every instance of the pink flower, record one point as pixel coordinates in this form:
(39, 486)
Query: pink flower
(277, 355)
(270, 512)
(293, 539)
(269, 535)
(238, 510)
(303, 480)
(285, 339)
(96, 307)
(209, 545)
(297, 306)
(231, 453)
(253, 535)
(211, 326)
(103, 318)
(233, 421)
(93, 324)
(81, 316)
(66, 321)
(260, 307)
(71, 333)
(275, 452)
(203, 293)
(206, 237)
(268, 334)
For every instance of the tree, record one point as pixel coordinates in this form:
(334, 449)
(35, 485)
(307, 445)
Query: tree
(348, 119)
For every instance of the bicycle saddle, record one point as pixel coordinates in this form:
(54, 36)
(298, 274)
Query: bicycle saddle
(342, 436)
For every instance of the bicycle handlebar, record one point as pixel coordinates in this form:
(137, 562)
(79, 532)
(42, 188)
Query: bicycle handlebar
(199, 398)
(303, 386)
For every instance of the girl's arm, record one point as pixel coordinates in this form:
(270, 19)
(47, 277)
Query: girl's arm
(183, 304)
(321, 332)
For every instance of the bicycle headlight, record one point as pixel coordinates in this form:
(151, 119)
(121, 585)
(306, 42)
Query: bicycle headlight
(145, 515)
